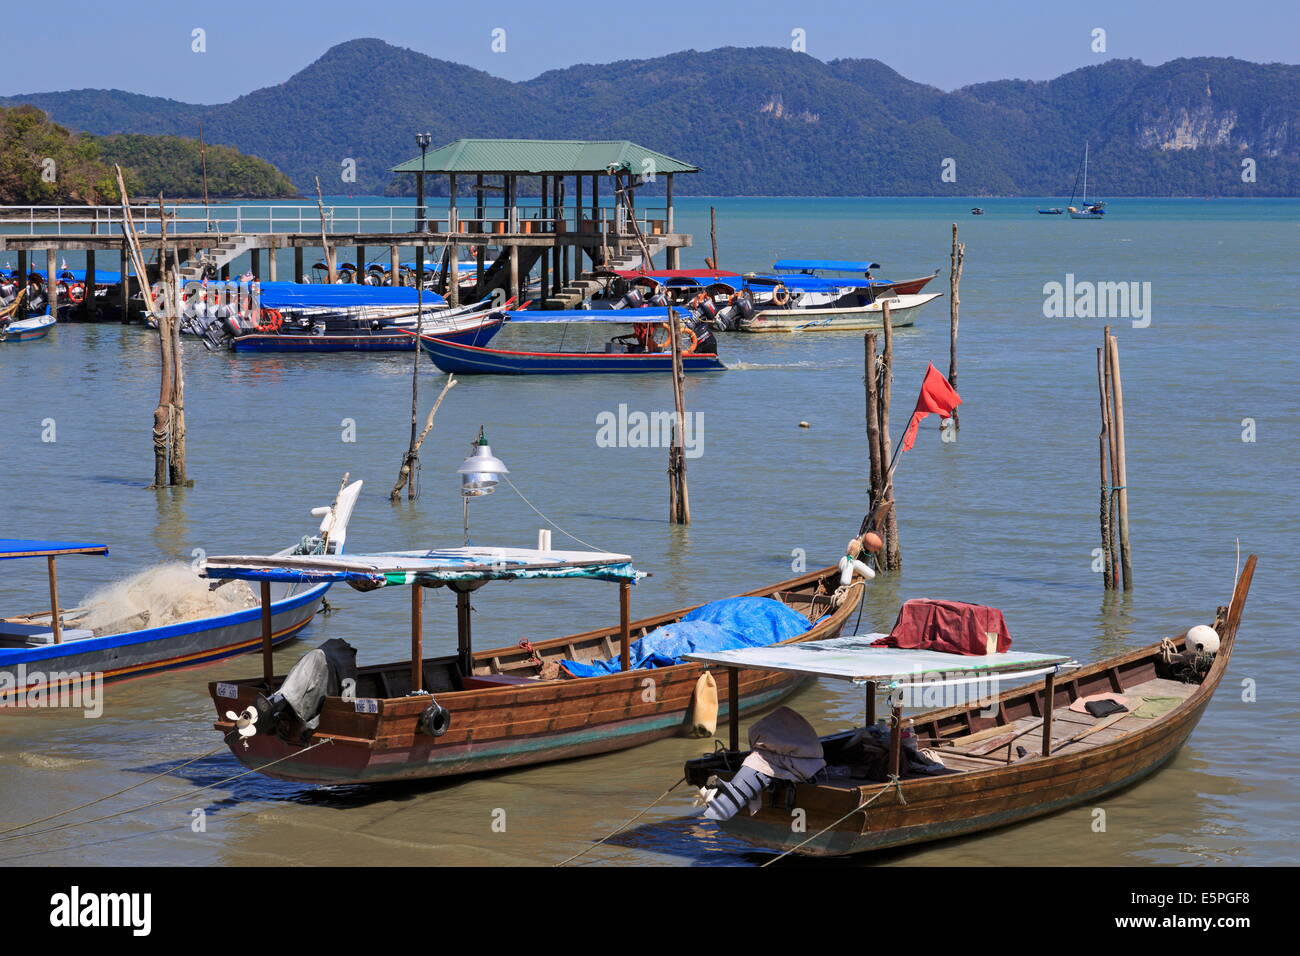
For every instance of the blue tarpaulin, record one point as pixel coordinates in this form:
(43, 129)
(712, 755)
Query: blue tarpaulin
(718, 626)
(288, 295)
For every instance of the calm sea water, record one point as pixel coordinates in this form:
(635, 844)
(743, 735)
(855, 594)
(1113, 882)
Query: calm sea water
(1006, 516)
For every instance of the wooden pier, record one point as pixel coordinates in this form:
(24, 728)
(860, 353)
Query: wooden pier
(518, 207)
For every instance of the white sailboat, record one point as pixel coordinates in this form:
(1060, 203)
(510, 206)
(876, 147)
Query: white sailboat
(1086, 210)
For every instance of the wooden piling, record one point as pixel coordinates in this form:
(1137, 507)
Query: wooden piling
(713, 236)
(52, 282)
(1121, 461)
(891, 554)
(871, 376)
(297, 264)
(1103, 447)
(956, 260)
(359, 277)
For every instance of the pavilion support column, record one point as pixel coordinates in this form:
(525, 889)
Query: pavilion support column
(515, 291)
(297, 264)
(480, 211)
(359, 277)
(394, 265)
(545, 259)
(271, 272)
(669, 201)
(255, 264)
(52, 280)
(453, 224)
(579, 214)
(123, 287)
(89, 301)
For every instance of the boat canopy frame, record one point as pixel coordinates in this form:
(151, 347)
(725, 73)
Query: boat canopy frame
(857, 660)
(12, 548)
(463, 570)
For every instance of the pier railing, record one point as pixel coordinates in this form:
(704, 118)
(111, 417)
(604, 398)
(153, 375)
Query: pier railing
(184, 218)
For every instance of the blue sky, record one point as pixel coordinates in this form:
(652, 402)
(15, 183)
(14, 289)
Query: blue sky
(145, 46)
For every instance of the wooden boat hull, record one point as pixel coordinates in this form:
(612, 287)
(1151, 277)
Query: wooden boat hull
(903, 311)
(152, 650)
(912, 286)
(376, 740)
(468, 359)
(956, 804)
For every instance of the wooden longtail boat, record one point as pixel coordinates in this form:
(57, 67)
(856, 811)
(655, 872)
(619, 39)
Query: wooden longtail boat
(1070, 758)
(503, 712)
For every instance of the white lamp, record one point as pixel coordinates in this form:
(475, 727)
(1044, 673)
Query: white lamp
(479, 474)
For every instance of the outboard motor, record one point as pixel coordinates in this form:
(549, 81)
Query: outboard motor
(632, 300)
(707, 310)
(325, 671)
(705, 342)
(659, 300)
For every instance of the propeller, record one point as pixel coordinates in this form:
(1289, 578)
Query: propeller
(245, 722)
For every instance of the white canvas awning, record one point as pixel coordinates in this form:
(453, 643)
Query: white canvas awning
(854, 659)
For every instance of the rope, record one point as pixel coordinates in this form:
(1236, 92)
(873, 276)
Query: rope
(548, 520)
(118, 793)
(894, 781)
(625, 825)
(158, 803)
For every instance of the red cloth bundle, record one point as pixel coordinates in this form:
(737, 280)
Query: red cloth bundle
(952, 627)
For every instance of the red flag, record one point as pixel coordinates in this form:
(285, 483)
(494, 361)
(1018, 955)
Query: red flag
(937, 396)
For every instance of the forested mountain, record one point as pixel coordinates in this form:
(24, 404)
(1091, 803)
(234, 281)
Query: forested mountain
(764, 121)
(44, 163)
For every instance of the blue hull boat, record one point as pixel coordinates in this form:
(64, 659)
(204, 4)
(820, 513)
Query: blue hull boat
(26, 330)
(464, 359)
(47, 657)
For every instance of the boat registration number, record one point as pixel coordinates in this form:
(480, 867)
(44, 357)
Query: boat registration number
(230, 691)
(367, 705)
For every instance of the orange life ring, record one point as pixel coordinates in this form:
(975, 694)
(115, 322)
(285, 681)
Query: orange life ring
(77, 294)
(271, 321)
(781, 296)
(663, 344)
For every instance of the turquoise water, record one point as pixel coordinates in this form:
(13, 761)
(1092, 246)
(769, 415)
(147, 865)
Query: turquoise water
(1005, 516)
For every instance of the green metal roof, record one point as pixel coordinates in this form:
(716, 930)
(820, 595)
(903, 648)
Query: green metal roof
(544, 156)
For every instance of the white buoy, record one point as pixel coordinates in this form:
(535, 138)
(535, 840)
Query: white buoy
(1203, 639)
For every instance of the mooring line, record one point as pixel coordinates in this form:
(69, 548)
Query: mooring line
(625, 825)
(118, 793)
(893, 782)
(158, 803)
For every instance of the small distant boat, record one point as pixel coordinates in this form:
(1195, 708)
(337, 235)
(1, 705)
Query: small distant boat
(977, 211)
(827, 295)
(1054, 211)
(1085, 209)
(647, 348)
(26, 330)
(55, 650)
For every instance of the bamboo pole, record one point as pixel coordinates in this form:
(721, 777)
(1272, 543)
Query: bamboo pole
(1112, 508)
(1125, 554)
(55, 623)
(679, 502)
(1103, 507)
(624, 625)
(871, 377)
(169, 276)
(417, 638)
(324, 239)
(957, 260)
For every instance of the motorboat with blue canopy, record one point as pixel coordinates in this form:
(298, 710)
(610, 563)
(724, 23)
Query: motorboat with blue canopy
(648, 347)
(161, 618)
(467, 710)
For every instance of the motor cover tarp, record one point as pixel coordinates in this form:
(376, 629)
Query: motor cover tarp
(952, 627)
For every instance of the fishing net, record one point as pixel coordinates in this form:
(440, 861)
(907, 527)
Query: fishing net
(164, 594)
